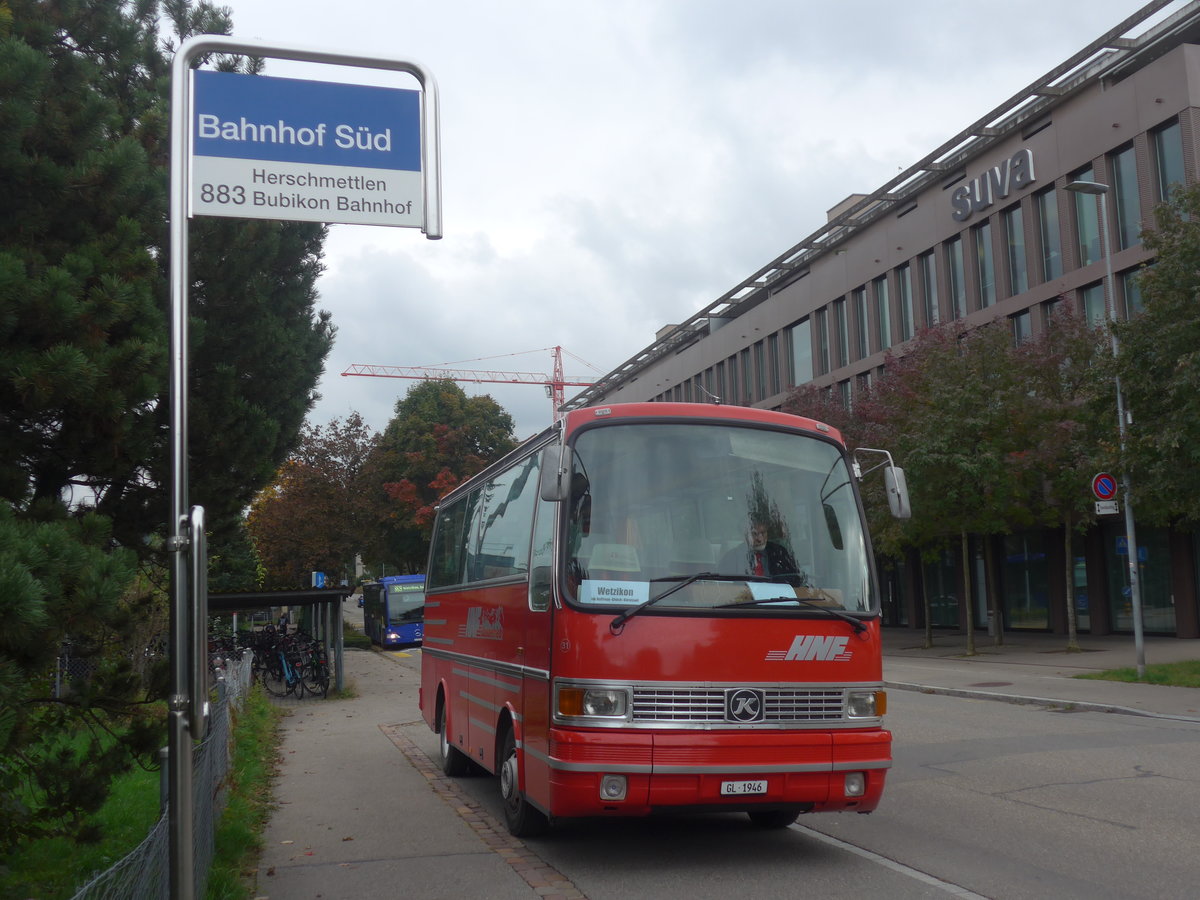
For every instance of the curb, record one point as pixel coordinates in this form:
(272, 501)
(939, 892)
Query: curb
(1037, 701)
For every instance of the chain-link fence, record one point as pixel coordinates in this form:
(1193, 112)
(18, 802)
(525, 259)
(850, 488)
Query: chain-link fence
(144, 874)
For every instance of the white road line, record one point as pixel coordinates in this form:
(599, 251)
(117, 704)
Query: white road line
(952, 889)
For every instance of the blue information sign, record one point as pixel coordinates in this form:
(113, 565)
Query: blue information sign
(283, 148)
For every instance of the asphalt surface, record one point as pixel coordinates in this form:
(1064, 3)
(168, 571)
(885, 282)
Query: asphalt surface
(363, 811)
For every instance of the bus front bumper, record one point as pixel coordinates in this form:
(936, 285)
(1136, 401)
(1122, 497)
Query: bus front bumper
(599, 773)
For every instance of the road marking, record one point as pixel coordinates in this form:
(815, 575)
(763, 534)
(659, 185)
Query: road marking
(915, 874)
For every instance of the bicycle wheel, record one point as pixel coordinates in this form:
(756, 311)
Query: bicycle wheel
(316, 678)
(273, 679)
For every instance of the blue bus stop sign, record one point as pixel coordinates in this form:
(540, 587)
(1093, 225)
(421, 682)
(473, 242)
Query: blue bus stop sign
(316, 151)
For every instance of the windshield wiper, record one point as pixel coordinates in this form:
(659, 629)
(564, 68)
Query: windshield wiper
(859, 627)
(618, 623)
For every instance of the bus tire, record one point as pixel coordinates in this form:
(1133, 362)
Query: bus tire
(774, 818)
(452, 760)
(522, 819)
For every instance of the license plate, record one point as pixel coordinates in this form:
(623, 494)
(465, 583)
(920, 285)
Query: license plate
(739, 788)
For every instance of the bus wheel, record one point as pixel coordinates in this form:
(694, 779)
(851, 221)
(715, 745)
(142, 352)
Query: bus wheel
(521, 818)
(774, 818)
(453, 761)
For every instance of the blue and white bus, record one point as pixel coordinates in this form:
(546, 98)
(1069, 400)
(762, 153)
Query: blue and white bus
(394, 610)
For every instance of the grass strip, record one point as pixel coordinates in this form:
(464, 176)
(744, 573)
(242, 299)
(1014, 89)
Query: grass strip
(248, 806)
(1177, 674)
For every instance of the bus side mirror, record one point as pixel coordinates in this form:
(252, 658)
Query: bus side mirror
(554, 482)
(896, 486)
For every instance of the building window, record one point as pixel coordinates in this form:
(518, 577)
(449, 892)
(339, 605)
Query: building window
(883, 308)
(1014, 238)
(864, 383)
(862, 343)
(929, 290)
(800, 359)
(1127, 200)
(719, 381)
(985, 264)
(1049, 308)
(843, 331)
(823, 340)
(957, 279)
(1087, 221)
(745, 378)
(773, 363)
(904, 285)
(844, 394)
(732, 372)
(760, 371)
(1093, 304)
(1022, 326)
(1168, 159)
(1048, 233)
(1131, 287)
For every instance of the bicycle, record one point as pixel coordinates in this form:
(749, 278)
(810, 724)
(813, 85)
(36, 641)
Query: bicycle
(315, 674)
(282, 673)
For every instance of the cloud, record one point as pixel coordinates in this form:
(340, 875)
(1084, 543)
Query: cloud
(610, 167)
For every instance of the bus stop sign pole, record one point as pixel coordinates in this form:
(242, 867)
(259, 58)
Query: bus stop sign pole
(188, 695)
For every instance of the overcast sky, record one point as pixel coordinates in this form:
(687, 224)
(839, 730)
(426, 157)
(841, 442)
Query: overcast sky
(611, 166)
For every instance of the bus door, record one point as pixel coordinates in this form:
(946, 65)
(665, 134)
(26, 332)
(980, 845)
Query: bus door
(536, 655)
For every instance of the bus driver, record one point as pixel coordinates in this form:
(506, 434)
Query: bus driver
(763, 557)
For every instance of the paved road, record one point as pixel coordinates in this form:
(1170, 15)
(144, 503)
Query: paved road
(995, 798)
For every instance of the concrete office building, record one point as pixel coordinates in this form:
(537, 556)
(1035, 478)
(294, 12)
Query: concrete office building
(980, 229)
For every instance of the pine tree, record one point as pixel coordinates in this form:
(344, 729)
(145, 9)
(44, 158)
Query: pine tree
(83, 387)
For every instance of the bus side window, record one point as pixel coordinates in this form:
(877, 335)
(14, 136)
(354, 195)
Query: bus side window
(449, 556)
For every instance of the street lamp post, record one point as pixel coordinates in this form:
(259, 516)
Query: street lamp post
(1100, 191)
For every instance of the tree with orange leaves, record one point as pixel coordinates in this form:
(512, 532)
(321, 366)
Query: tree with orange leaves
(438, 438)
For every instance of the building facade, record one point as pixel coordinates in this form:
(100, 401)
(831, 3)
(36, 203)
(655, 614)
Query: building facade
(981, 229)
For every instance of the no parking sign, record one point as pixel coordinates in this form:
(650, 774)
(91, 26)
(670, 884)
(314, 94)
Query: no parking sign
(1104, 486)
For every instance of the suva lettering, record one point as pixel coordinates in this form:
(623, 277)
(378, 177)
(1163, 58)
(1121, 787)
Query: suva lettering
(994, 184)
(809, 646)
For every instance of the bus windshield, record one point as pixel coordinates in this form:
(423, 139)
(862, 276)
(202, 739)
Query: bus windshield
(406, 603)
(714, 516)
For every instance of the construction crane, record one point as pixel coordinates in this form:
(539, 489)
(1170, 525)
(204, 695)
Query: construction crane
(554, 384)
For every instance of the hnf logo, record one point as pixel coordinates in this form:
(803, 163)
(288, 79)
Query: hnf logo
(745, 705)
(813, 647)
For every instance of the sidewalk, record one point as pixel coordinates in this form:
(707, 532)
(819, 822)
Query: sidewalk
(1037, 668)
(364, 812)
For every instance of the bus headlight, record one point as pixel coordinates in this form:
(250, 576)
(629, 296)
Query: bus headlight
(592, 702)
(866, 704)
(855, 784)
(612, 787)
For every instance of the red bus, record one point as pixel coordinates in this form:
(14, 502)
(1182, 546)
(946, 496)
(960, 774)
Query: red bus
(661, 607)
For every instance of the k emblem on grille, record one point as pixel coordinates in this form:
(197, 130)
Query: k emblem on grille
(744, 705)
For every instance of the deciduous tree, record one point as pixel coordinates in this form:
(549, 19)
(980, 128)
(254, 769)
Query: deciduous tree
(315, 515)
(438, 437)
(1159, 366)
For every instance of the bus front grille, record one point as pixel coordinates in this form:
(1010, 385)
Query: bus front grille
(707, 705)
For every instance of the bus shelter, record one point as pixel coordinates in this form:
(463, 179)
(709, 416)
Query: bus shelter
(320, 608)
